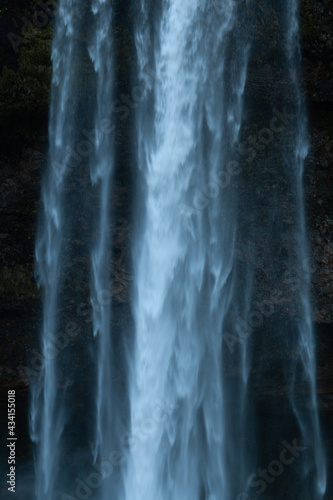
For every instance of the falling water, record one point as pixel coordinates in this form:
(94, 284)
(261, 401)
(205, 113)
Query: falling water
(194, 73)
(47, 410)
(101, 53)
(49, 413)
(308, 417)
(192, 421)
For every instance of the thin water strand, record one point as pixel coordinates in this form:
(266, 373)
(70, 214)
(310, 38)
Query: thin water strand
(47, 412)
(306, 333)
(101, 169)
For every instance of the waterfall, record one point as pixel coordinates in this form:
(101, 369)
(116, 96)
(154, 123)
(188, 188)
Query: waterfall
(47, 416)
(308, 419)
(50, 412)
(202, 360)
(193, 66)
(101, 167)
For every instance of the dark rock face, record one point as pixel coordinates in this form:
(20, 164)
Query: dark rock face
(317, 45)
(20, 298)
